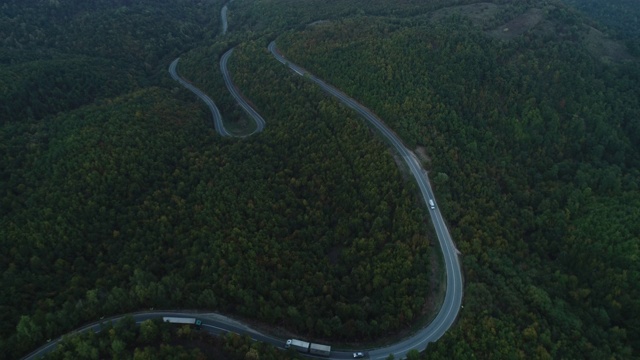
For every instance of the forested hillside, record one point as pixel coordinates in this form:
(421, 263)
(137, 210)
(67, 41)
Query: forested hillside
(59, 55)
(534, 145)
(154, 340)
(117, 195)
(619, 15)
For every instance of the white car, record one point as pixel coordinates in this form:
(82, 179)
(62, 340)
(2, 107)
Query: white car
(358, 355)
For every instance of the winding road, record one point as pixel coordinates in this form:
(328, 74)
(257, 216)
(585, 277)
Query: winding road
(217, 118)
(220, 324)
(453, 298)
(213, 323)
(260, 123)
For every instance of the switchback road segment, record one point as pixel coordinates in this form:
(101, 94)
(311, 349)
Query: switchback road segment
(217, 117)
(260, 123)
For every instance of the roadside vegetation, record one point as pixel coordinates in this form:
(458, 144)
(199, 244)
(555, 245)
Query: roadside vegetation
(128, 200)
(533, 143)
(154, 340)
(117, 195)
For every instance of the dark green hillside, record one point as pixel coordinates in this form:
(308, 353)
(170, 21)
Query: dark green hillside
(119, 28)
(134, 203)
(536, 145)
(116, 194)
(271, 18)
(36, 89)
(129, 202)
(619, 15)
(59, 55)
(154, 340)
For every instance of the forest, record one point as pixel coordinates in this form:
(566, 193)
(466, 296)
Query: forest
(130, 201)
(621, 16)
(117, 195)
(536, 146)
(155, 340)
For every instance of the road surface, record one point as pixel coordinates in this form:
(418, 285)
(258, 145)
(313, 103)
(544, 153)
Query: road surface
(217, 118)
(211, 322)
(219, 324)
(453, 298)
(236, 94)
(223, 18)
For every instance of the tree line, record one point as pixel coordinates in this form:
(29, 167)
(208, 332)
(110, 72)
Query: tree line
(531, 141)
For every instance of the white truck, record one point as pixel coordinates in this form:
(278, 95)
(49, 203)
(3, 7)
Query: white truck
(306, 347)
(432, 205)
(179, 320)
(319, 349)
(183, 320)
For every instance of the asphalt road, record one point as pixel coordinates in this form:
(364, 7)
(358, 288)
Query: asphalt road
(211, 322)
(453, 298)
(236, 94)
(219, 324)
(217, 118)
(223, 18)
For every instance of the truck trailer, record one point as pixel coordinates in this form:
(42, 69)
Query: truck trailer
(183, 320)
(179, 320)
(319, 349)
(299, 345)
(306, 347)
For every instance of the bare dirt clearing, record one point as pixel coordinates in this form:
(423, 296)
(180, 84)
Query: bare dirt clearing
(518, 26)
(478, 13)
(605, 49)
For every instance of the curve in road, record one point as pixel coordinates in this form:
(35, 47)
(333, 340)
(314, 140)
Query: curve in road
(212, 322)
(219, 324)
(260, 123)
(217, 118)
(453, 298)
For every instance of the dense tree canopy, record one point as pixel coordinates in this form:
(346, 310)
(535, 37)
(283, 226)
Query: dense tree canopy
(131, 201)
(117, 195)
(538, 144)
(154, 340)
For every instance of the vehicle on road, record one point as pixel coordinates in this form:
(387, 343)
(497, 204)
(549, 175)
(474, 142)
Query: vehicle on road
(179, 320)
(358, 355)
(453, 297)
(306, 347)
(183, 320)
(319, 349)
